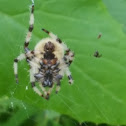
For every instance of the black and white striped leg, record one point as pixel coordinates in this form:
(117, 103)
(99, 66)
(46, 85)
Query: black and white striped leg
(31, 23)
(69, 56)
(36, 90)
(59, 77)
(57, 88)
(43, 89)
(19, 58)
(70, 79)
(68, 73)
(49, 92)
(32, 80)
(52, 35)
(32, 55)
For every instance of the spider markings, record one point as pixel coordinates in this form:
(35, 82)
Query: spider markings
(49, 61)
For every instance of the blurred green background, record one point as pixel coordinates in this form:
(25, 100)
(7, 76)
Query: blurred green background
(98, 95)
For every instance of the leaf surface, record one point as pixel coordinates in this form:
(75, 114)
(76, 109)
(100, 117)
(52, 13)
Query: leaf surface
(98, 93)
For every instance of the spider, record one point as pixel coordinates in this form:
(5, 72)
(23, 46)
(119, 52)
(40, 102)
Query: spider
(49, 61)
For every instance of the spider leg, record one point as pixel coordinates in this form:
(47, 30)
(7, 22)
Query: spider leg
(35, 53)
(36, 89)
(59, 77)
(53, 36)
(68, 73)
(32, 80)
(69, 56)
(49, 92)
(32, 56)
(57, 88)
(43, 89)
(31, 23)
(19, 58)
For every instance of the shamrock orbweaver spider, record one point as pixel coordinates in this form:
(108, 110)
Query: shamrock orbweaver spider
(49, 61)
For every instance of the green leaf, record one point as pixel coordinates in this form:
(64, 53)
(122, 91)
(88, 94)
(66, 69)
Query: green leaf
(117, 9)
(98, 93)
(14, 112)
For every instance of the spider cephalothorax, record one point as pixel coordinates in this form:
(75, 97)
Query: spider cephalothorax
(49, 47)
(49, 61)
